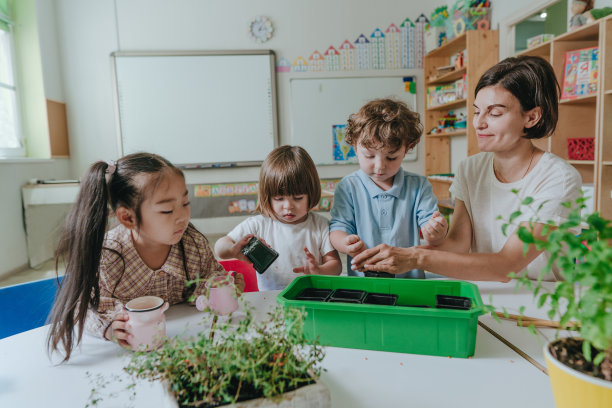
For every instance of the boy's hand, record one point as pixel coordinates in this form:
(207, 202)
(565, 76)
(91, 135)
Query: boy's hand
(119, 330)
(354, 244)
(311, 267)
(435, 229)
(237, 248)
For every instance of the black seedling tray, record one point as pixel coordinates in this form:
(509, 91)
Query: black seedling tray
(347, 296)
(453, 302)
(372, 274)
(320, 295)
(421, 306)
(380, 299)
(260, 254)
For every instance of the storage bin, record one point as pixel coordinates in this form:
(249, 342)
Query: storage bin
(401, 328)
(581, 148)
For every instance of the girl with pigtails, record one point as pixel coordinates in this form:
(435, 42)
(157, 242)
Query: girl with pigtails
(154, 250)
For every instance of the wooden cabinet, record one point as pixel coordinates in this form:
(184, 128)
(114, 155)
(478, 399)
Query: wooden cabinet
(587, 116)
(480, 49)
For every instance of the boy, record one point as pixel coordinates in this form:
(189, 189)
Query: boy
(380, 202)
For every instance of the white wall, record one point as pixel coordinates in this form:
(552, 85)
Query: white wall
(88, 31)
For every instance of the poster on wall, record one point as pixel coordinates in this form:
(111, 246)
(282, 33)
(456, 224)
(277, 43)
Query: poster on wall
(235, 199)
(342, 151)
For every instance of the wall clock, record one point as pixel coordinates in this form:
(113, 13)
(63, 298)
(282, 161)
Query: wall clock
(261, 29)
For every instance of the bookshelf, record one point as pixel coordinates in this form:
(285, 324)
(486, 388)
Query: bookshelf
(586, 116)
(480, 52)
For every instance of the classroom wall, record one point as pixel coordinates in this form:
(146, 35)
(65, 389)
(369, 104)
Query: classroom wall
(88, 31)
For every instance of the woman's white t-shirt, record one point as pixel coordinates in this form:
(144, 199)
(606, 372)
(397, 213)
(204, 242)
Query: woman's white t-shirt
(289, 241)
(551, 182)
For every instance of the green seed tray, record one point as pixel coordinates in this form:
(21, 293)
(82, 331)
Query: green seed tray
(399, 328)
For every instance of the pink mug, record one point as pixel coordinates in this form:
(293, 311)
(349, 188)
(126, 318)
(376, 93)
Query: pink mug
(222, 298)
(147, 322)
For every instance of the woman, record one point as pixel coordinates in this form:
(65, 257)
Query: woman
(516, 101)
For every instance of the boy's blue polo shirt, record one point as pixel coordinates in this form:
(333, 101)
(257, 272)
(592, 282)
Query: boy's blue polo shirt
(391, 217)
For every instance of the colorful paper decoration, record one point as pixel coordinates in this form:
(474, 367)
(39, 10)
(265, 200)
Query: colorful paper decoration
(347, 56)
(342, 151)
(581, 71)
(396, 48)
(332, 59)
(283, 65)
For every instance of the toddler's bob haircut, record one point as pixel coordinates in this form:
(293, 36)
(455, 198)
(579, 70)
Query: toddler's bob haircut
(384, 123)
(532, 81)
(287, 171)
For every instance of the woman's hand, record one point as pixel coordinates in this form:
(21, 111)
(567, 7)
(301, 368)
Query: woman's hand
(385, 258)
(119, 330)
(311, 267)
(435, 230)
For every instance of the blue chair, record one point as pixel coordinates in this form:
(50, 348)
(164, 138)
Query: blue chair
(26, 306)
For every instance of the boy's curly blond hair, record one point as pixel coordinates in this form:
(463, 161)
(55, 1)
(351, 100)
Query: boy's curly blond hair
(384, 123)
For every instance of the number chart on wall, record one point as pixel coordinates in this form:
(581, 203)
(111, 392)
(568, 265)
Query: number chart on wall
(320, 108)
(198, 109)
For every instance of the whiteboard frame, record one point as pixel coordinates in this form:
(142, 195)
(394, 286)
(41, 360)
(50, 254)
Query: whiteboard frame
(190, 53)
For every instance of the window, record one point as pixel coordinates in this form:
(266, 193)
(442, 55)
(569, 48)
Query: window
(10, 134)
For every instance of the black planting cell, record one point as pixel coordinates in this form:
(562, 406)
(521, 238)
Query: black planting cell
(319, 295)
(453, 302)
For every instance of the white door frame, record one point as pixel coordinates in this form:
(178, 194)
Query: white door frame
(507, 26)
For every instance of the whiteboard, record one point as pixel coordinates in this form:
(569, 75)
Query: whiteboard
(197, 109)
(318, 104)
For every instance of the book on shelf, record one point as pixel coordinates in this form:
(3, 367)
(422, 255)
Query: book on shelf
(580, 73)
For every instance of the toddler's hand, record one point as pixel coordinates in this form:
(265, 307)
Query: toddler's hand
(119, 330)
(311, 267)
(237, 248)
(435, 229)
(239, 283)
(354, 244)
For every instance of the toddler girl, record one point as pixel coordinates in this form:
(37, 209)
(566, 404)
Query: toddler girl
(289, 188)
(153, 251)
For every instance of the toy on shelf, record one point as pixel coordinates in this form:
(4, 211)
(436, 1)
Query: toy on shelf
(579, 11)
(581, 71)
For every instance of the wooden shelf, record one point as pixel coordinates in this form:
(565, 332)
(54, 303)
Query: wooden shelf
(453, 104)
(449, 77)
(446, 203)
(580, 100)
(452, 47)
(542, 50)
(448, 134)
(582, 162)
(440, 181)
(608, 92)
(607, 163)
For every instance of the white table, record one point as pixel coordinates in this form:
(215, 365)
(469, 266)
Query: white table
(508, 296)
(495, 376)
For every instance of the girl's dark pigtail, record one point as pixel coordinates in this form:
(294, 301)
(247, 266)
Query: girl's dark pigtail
(80, 247)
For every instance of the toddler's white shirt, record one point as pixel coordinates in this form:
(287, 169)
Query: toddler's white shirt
(289, 241)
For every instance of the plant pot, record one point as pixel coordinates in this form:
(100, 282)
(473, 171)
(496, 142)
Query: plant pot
(347, 296)
(571, 388)
(309, 396)
(320, 295)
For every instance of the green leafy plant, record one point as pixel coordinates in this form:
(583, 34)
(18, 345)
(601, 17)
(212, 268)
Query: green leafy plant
(234, 362)
(580, 249)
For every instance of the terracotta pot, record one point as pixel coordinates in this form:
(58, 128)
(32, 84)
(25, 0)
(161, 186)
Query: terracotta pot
(571, 388)
(310, 396)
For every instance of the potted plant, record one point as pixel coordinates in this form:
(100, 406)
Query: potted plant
(580, 368)
(239, 364)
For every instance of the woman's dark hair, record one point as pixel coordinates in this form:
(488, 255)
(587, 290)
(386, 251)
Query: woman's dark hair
(532, 81)
(384, 122)
(288, 170)
(104, 185)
